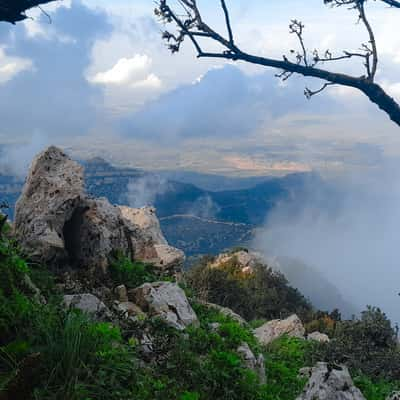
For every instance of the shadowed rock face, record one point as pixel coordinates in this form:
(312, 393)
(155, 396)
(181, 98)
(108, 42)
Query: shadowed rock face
(57, 223)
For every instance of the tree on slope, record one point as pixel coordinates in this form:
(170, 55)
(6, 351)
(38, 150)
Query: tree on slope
(189, 24)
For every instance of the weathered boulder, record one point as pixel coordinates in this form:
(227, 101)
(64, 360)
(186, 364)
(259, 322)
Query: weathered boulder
(149, 242)
(53, 190)
(128, 309)
(87, 303)
(167, 301)
(318, 337)
(147, 220)
(252, 362)
(272, 330)
(330, 383)
(121, 293)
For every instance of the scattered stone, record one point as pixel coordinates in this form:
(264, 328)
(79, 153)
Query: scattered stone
(167, 301)
(53, 189)
(227, 312)
(318, 337)
(272, 330)
(89, 304)
(330, 383)
(214, 326)
(252, 362)
(394, 396)
(122, 293)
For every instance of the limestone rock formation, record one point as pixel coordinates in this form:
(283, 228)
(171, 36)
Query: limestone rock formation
(328, 383)
(252, 362)
(167, 301)
(52, 192)
(147, 220)
(57, 223)
(87, 303)
(272, 330)
(318, 337)
(149, 242)
(246, 259)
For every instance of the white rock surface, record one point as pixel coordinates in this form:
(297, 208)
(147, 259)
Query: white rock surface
(326, 383)
(87, 303)
(318, 337)
(167, 301)
(52, 191)
(272, 330)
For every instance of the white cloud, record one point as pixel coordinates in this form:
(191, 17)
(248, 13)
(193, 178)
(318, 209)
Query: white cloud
(133, 72)
(12, 66)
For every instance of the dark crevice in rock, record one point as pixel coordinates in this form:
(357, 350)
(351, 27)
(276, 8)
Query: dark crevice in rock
(71, 233)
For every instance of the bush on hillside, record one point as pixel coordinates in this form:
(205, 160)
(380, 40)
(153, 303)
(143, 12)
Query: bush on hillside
(262, 294)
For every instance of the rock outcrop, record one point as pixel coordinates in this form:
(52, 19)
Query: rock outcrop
(330, 383)
(87, 303)
(318, 337)
(57, 223)
(394, 396)
(53, 190)
(272, 330)
(227, 312)
(247, 260)
(165, 300)
(256, 364)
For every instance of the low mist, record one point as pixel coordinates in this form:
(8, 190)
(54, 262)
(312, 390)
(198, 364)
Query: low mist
(144, 191)
(349, 231)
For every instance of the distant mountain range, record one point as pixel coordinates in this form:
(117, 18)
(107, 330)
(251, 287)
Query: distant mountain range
(193, 218)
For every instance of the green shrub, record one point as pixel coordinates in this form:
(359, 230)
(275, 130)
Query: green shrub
(131, 274)
(263, 294)
(375, 390)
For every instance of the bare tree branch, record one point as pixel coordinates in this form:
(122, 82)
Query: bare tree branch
(14, 10)
(193, 26)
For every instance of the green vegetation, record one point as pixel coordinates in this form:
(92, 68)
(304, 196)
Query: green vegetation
(132, 274)
(262, 294)
(49, 353)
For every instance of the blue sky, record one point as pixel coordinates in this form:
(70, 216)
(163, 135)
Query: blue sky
(99, 80)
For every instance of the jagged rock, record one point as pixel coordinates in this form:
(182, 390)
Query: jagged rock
(247, 260)
(149, 242)
(328, 383)
(318, 337)
(225, 311)
(252, 362)
(394, 396)
(167, 301)
(272, 330)
(147, 220)
(87, 303)
(53, 189)
(122, 293)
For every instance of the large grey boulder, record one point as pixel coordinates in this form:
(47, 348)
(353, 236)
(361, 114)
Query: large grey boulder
(272, 330)
(165, 300)
(147, 220)
(53, 190)
(330, 383)
(256, 364)
(148, 241)
(87, 303)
